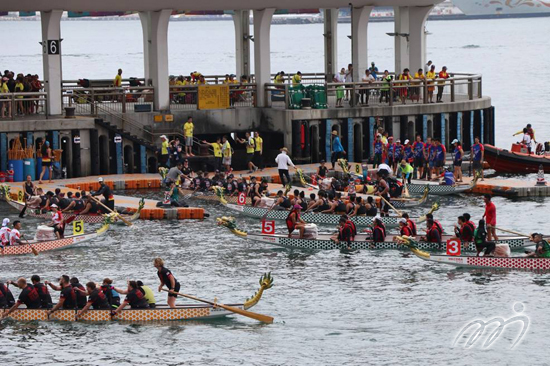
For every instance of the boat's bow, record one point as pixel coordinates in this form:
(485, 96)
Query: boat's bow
(266, 282)
(434, 208)
(229, 222)
(411, 243)
(220, 193)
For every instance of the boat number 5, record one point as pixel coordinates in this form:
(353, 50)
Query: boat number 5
(241, 200)
(453, 246)
(268, 227)
(78, 227)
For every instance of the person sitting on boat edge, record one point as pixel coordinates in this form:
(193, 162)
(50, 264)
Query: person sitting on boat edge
(15, 235)
(463, 230)
(149, 295)
(167, 279)
(542, 249)
(108, 198)
(112, 293)
(404, 229)
(294, 221)
(345, 232)
(28, 296)
(57, 222)
(480, 240)
(282, 202)
(135, 298)
(67, 298)
(5, 233)
(410, 223)
(96, 299)
(433, 234)
(379, 230)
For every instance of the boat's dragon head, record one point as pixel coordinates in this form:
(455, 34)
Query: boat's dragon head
(5, 191)
(141, 204)
(412, 244)
(266, 282)
(163, 171)
(344, 165)
(229, 222)
(301, 176)
(220, 193)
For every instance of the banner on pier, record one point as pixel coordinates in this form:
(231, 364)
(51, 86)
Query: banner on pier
(213, 96)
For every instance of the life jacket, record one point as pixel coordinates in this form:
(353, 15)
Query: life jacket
(471, 224)
(412, 226)
(352, 227)
(381, 229)
(430, 233)
(289, 224)
(6, 293)
(396, 187)
(406, 231)
(463, 235)
(439, 227)
(45, 297)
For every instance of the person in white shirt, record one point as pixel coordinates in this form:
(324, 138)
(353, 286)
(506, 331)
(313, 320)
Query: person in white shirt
(526, 139)
(427, 67)
(349, 78)
(5, 233)
(368, 79)
(283, 161)
(15, 235)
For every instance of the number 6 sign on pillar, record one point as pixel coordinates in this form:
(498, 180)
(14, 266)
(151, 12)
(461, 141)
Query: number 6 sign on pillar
(453, 246)
(268, 227)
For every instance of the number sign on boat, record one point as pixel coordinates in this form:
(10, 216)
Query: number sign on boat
(78, 227)
(268, 227)
(454, 246)
(241, 199)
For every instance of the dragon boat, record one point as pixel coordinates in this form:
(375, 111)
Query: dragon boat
(514, 263)
(362, 241)
(419, 187)
(87, 218)
(158, 314)
(47, 245)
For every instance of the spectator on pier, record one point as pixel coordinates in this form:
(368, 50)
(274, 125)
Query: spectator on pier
(430, 75)
(367, 79)
(373, 70)
(217, 147)
(415, 92)
(349, 78)
(164, 153)
(297, 79)
(280, 78)
(117, 82)
(6, 103)
(443, 76)
(188, 133)
(338, 151)
(19, 88)
(283, 161)
(403, 90)
(385, 90)
(428, 66)
(227, 153)
(339, 91)
(477, 153)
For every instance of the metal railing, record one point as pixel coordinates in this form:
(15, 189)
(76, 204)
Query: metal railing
(13, 105)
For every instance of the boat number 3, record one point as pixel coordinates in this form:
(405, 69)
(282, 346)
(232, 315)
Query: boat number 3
(20, 196)
(241, 200)
(453, 246)
(78, 227)
(268, 227)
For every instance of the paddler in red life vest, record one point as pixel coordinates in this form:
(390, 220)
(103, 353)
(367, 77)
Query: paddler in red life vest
(108, 198)
(404, 229)
(294, 221)
(436, 223)
(57, 222)
(410, 223)
(346, 232)
(432, 232)
(469, 222)
(463, 230)
(378, 231)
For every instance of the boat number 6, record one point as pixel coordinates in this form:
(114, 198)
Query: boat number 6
(268, 227)
(453, 246)
(241, 200)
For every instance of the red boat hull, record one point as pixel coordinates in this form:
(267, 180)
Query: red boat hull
(504, 161)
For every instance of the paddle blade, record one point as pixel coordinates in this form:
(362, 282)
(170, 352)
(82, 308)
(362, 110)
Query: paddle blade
(260, 317)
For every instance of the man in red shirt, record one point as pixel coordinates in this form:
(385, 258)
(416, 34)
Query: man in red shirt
(490, 217)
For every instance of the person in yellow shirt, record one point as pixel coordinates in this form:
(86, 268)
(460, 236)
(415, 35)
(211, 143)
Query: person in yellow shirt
(443, 76)
(431, 75)
(19, 88)
(164, 153)
(6, 104)
(217, 147)
(117, 82)
(250, 147)
(297, 79)
(259, 150)
(227, 152)
(280, 78)
(188, 133)
(181, 95)
(415, 92)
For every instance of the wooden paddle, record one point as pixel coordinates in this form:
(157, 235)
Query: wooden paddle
(111, 211)
(34, 251)
(260, 317)
(513, 232)
(391, 206)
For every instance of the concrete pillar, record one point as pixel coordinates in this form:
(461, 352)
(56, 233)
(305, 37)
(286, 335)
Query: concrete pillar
(328, 140)
(331, 42)
(359, 41)
(143, 156)
(155, 50)
(372, 124)
(262, 51)
(417, 36)
(401, 30)
(459, 126)
(424, 127)
(351, 142)
(3, 152)
(86, 153)
(145, 18)
(241, 20)
(51, 59)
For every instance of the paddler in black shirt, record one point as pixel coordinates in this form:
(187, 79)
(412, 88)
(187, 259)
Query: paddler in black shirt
(77, 204)
(231, 186)
(28, 296)
(135, 298)
(6, 297)
(167, 279)
(108, 198)
(90, 206)
(96, 299)
(45, 298)
(67, 298)
(80, 292)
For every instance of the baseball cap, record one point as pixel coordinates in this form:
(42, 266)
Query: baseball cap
(100, 179)
(454, 141)
(402, 221)
(406, 142)
(53, 206)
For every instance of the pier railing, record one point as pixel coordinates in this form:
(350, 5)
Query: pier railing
(122, 99)
(13, 105)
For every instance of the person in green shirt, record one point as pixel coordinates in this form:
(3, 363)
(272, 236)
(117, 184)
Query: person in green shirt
(542, 249)
(406, 171)
(149, 295)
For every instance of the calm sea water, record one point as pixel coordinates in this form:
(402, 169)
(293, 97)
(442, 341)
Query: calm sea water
(372, 307)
